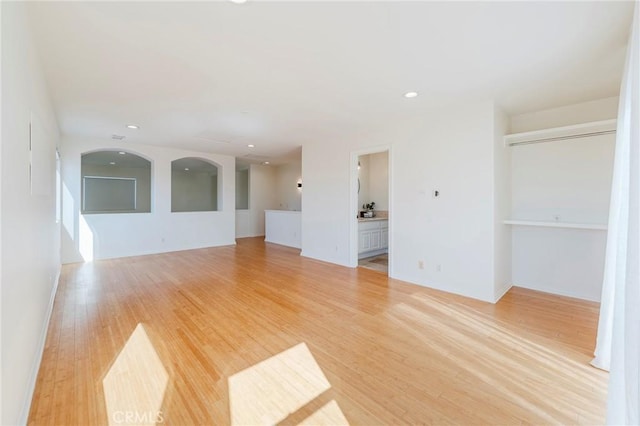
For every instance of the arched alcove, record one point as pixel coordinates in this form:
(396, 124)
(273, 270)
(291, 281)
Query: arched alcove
(115, 182)
(196, 185)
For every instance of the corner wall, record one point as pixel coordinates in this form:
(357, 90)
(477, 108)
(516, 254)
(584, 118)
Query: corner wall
(30, 254)
(502, 206)
(262, 184)
(262, 196)
(288, 195)
(102, 236)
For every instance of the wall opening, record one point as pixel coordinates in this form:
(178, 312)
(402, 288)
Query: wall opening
(195, 186)
(242, 187)
(115, 182)
(373, 211)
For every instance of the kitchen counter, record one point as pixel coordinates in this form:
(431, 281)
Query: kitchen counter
(371, 219)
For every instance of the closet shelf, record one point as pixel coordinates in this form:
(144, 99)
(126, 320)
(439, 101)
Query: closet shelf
(571, 225)
(574, 131)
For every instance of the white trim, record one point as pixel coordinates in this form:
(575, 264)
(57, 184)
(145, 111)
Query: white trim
(24, 414)
(285, 211)
(561, 133)
(553, 290)
(570, 225)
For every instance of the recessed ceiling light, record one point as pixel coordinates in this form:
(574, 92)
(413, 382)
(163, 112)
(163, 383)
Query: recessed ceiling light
(266, 162)
(251, 145)
(132, 126)
(113, 163)
(411, 94)
(186, 169)
(122, 153)
(238, 1)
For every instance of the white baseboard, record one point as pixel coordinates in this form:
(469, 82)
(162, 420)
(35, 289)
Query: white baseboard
(558, 292)
(504, 291)
(24, 415)
(284, 243)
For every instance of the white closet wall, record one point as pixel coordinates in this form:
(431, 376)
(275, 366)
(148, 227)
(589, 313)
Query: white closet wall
(560, 202)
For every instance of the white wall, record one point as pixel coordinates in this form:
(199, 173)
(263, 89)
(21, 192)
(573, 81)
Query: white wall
(502, 203)
(450, 149)
(565, 181)
(100, 236)
(363, 176)
(1, 169)
(30, 235)
(569, 262)
(242, 204)
(242, 189)
(379, 179)
(288, 195)
(283, 227)
(262, 196)
(374, 180)
(584, 112)
(242, 224)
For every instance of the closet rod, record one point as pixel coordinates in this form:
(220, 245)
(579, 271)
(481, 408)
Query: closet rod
(562, 138)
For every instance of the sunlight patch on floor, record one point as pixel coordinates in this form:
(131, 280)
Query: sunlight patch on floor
(518, 371)
(329, 415)
(269, 392)
(135, 384)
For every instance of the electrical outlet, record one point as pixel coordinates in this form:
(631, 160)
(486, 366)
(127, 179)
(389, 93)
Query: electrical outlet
(420, 264)
(438, 267)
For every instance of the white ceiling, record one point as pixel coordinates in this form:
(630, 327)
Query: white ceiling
(216, 76)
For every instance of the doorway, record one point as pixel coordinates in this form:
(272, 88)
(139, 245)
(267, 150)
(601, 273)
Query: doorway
(370, 223)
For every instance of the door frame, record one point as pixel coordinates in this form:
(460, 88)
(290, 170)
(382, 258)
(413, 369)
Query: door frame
(354, 207)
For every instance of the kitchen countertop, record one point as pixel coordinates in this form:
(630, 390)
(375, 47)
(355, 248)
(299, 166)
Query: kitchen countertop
(371, 219)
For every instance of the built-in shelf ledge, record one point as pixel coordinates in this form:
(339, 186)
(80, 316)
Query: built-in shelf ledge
(593, 128)
(570, 225)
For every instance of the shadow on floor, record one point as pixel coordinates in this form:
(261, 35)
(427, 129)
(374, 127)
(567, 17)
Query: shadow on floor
(377, 263)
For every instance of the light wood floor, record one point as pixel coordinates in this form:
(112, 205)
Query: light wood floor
(391, 352)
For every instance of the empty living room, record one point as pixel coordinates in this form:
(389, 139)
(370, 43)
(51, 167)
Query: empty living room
(255, 212)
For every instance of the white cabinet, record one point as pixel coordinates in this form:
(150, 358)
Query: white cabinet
(373, 237)
(365, 241)
(384, 238)
(375, 240)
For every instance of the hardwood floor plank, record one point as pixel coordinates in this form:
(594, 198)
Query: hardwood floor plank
(392, 352)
